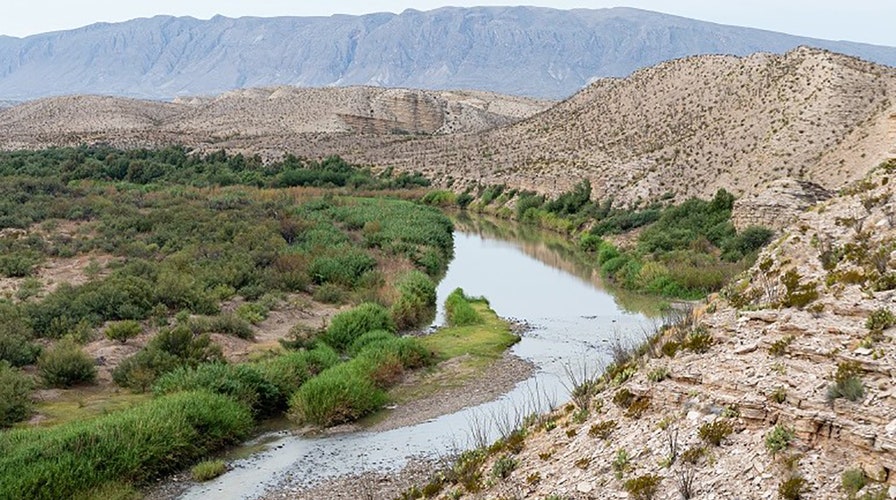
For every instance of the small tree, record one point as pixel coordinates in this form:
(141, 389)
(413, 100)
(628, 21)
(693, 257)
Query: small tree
(65, 365)
(122, 331)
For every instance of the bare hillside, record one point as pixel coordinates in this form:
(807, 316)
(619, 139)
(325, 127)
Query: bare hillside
(688, 127)
(258, 115)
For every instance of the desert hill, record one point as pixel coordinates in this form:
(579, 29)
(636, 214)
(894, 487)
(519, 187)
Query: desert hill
(258, 114)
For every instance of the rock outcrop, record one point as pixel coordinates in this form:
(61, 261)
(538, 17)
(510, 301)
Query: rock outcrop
(778, 205)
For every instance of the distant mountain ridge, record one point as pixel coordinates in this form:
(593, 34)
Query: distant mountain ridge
(538, 52)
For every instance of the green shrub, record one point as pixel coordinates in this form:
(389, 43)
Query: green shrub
(135, 445)
(416, 302)
(658, 374)
(715, 432)
(643, 487)
(796, 294)
(852, 481)
(242, 382)
(15, 395)
(847, 382)
(252, 312)
(122, 331)
(371, 337)
(65, 365)
(504, 466)
(779, 347)
(880, 320)
(459, 311)
(227, 323)
(170, 349)
(330, 293)
(207, 470)
(17, 349)
(347, 326)
(342, 269)
(16, 265)
(778, 439)
(339, 394)
(699, 340)
(289, 371)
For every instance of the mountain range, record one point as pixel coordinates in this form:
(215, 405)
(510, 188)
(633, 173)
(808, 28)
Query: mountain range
(526, 51)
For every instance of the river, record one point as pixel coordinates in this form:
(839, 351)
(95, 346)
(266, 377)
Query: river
(526, 275)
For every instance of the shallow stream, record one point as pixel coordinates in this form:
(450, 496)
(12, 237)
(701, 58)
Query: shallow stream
(526, 275)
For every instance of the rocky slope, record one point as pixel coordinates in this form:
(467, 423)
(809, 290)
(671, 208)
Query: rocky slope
(688, 127)
(816, 309)
(257, 115)
(528, 51)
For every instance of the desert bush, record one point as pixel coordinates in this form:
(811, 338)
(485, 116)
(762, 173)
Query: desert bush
(778, 439)
(699, 340)
(643, 487)
(347, 326)
(602, 430)
(15, 395)
(135, 445)
(459, 311)
(65, 365)
(792, 488)
(122, 331)
(797, 294)
(847, 382)
(252, 312)
(242, 382)
(207, 470)
(779, 347)
(715, 432)
(779, 395)
(504, 466)
(658, 374)
(880, 320)
(624, 398)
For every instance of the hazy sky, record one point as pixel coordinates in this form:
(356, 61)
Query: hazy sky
(868, 21)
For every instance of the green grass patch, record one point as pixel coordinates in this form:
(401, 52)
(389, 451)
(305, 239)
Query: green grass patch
(85, 403)
(136, 446)
(485, 341)
(208, 470)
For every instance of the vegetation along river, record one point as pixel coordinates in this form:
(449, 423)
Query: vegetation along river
(526, 275)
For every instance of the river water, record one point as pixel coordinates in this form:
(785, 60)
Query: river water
(527, 276)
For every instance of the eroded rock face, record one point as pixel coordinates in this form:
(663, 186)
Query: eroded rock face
(778, 205)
